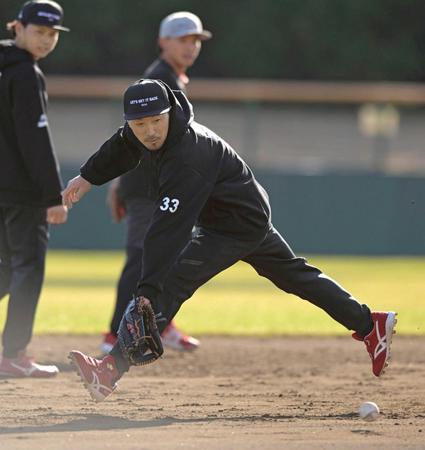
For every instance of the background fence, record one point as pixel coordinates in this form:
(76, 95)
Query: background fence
(333, 188)
(283, 39)
(323, 98)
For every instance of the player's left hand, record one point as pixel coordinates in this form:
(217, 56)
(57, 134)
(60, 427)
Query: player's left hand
(57, 214)
(75, 190)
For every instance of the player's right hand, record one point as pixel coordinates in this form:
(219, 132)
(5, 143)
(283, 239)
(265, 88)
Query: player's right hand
(75, 190)
(113, 200)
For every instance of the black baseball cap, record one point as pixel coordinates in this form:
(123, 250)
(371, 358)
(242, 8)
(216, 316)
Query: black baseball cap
(145, 98)
(42, 12)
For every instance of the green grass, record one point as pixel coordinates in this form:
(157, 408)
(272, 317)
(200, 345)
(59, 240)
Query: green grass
(79, 291)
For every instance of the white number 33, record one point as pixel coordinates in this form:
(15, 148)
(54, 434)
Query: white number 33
(169, 204)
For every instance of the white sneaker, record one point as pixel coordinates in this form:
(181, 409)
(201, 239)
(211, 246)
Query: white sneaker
(23, 366)
(109, 340)
(174, 338)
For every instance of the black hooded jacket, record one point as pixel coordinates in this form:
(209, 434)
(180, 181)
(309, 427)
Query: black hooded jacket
(29, 173)
(198, 177)
(135, 184)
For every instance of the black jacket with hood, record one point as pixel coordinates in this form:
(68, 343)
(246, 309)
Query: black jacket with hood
(29, 173)
(198, 177)
(135, 184)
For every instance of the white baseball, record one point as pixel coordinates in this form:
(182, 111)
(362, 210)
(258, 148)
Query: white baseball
(369, 411)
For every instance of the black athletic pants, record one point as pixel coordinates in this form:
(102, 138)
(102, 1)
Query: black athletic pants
(23, 246)
(139, 214)
(209, 253)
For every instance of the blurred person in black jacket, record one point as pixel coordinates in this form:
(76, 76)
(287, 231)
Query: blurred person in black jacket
(30, 183)
(131, 196)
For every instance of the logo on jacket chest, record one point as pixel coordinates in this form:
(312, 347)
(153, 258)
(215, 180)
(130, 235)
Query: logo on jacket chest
(42, 121)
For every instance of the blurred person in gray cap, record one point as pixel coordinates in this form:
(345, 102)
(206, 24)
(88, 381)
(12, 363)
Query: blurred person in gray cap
(130, 196)
(180, 36)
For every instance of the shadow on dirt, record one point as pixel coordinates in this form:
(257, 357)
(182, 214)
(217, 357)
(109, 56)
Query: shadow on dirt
(90, 422)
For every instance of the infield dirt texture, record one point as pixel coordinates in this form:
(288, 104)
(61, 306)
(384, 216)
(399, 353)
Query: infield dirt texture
(233, 393)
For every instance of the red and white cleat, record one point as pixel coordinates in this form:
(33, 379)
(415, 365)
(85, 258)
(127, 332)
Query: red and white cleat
(378, 341)
(98, 376)
(23, 366)
(174, 338)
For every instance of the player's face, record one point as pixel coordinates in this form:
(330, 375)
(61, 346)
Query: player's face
(151, 131)
(181, 52)
(36, 39)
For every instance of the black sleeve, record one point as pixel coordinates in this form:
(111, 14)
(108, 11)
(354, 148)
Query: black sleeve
(168, 79)
(179, 204)
(163, 74)
(33, 135)
(115, 157)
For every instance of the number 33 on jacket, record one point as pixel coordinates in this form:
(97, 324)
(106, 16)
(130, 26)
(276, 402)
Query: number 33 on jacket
(169, 204)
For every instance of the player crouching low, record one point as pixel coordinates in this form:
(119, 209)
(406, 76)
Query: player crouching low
(100, 376)
(201, 180)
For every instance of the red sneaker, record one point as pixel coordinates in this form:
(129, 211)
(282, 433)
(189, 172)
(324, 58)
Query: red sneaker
(174, 338)
(378, 341)
(98, 376)
(24, 366)
(109, 340)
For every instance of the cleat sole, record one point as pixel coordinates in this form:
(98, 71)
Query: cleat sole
(390, 331)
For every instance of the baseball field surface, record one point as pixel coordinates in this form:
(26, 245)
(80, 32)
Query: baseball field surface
(233, 393)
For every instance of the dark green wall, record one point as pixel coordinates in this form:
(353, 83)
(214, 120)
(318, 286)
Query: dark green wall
(330, 214)
(294, 39)
(349, 214)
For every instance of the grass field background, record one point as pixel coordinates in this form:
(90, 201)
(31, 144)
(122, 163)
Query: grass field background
(79, 290)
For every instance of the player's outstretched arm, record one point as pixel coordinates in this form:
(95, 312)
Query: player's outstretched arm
(75, 190)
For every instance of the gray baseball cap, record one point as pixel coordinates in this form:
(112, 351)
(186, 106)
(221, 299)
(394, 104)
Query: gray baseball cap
(182, 23)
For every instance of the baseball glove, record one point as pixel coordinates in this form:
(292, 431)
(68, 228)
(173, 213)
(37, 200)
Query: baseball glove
(138, 334)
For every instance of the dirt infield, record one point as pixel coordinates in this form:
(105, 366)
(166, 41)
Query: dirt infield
(233, 393)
